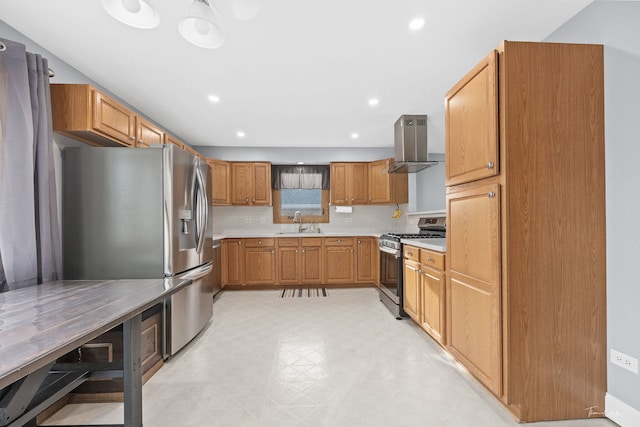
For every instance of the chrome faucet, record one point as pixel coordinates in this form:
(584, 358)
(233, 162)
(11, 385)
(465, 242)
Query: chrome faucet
(297, 218)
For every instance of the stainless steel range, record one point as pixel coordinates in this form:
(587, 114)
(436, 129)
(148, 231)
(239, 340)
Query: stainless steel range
(392, 264)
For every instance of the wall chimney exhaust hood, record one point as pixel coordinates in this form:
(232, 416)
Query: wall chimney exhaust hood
(410, 144)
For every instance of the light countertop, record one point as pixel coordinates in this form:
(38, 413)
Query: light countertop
(439, 245)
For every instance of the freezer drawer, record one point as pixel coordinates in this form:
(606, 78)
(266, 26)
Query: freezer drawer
(188, 311)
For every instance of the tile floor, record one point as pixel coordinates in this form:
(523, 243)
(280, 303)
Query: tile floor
(343, 360)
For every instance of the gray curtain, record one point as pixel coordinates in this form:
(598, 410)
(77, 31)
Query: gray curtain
(30, 249)
(300, 177)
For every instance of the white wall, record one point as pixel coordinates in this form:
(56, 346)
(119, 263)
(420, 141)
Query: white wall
(616, 25)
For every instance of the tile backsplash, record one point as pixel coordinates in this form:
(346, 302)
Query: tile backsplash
(240, 220)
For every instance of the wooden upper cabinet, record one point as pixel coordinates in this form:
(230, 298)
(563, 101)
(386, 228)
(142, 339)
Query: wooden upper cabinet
(349, 183)
(251, 183)
(84, 113)
(471, 124)
(169, 139)
(147, 133)
(220, 184)
(385, 187)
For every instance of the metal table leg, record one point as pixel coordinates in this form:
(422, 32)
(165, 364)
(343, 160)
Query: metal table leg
(132, 329)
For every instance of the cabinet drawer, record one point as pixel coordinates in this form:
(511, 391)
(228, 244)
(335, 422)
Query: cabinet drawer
(284, 242)
(411, 252)
(311, 241)
(339, 241)
(432, 259)
(259, 243)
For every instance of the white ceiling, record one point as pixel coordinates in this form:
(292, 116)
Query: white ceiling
(299, 74)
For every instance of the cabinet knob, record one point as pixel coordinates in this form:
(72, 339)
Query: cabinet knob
(296, 251)
(302, 251)
(339, 241)
(132, 138)
(491, 194)
(246, 200)
(351, 250)
(140, 141)
(490, 165)
(429, 259)
(254, 200)
(259, 242)
(239, 243)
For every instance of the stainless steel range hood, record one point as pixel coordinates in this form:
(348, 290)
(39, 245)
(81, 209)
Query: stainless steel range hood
(410, 144)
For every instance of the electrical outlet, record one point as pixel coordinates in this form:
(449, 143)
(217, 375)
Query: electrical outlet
(625, 361)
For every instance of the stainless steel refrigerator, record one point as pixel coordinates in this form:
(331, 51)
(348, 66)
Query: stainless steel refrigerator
(140, 214)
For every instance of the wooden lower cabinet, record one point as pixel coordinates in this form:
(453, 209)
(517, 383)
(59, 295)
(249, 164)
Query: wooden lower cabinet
(288, 261)
(366, 259)
(311, 261)
(432, 302)
(412, 289)
(108, 348)
(299, 261)
(473, 282)
(232, 262)
(339, 260)
(424, 290)
(260, 261)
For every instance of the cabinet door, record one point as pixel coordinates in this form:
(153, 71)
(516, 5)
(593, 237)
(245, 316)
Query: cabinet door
(289, 265)
(411, 289)
(260, 266)
(359, 183)
(147, 133)
(261, 184)
(220, 184)
(311, 264)
(473, 281)
(379, 182)
(471, 125)
(338, 186)
(113, 119)
(241, 183)
(366, 250)
(432, 302)
(232, 262)
(339, 264)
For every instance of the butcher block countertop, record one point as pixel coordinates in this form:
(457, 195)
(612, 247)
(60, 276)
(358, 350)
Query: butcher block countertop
(40, 323)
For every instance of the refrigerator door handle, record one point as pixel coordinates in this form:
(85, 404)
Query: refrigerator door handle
(197, 273)
(201, 210)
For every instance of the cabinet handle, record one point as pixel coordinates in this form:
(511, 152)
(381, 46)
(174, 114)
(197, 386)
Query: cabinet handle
(259, 242)
(140, 141)
(491, 194)
(429, 259)
(239, 243)
(339, 241)
(351, 250)
(254, 200)
(296, 251)
(132, 138)
(490, 165)
(302, 251)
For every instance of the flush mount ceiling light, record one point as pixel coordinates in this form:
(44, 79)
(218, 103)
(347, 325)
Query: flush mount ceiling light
(416, 24)
(199, 27)
(135, 13)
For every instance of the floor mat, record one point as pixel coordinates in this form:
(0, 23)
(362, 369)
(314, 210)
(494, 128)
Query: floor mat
(304, 292)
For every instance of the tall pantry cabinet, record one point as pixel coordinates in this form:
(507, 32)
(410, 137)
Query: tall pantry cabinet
(525, 291)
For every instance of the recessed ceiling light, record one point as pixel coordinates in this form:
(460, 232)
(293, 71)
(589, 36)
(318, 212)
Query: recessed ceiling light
(416, 24)
(374, 101)
(241, 134)
(355, 135)
(214, 98)
(301, 163)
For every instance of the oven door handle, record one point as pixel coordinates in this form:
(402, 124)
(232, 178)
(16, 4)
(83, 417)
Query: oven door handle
(393, 252)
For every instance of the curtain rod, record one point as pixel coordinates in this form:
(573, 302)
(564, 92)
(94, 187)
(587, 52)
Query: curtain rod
(3, 47)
